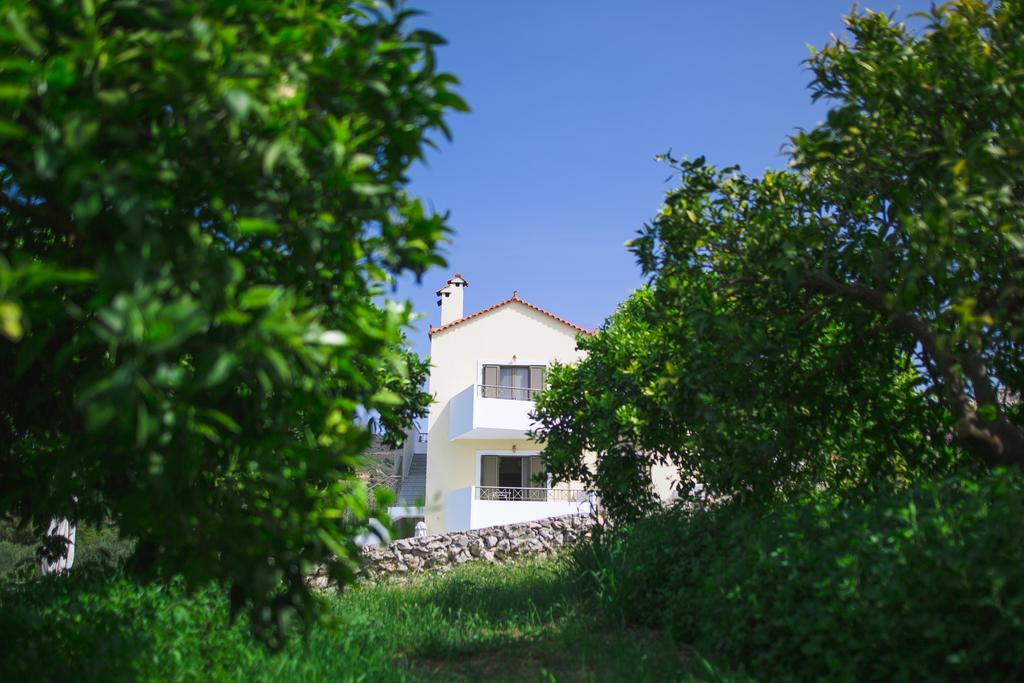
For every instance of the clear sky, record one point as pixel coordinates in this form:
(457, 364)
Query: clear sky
(552, 170)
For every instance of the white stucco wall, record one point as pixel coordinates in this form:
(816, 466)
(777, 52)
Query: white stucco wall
(496, 336)
(458, 510)
(665, 479)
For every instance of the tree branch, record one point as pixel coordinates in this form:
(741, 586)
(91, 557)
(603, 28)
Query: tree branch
(997, 441)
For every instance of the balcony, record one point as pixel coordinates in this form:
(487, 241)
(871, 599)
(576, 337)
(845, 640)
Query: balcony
(476, 507)
(486, 411)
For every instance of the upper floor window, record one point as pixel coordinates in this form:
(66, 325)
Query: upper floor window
(516, 382)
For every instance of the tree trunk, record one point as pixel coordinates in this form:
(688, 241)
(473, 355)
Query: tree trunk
(64, 529)
(999, 443)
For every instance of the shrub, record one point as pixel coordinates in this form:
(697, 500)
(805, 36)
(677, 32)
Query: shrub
(94, 626)
(14, 556)
(86, 627)
(924, 583)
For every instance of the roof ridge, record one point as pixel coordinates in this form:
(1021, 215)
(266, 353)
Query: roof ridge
(512, 299)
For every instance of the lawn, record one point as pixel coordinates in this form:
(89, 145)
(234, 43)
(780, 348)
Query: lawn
(527, 621)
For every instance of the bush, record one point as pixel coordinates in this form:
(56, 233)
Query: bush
(86, 627)
(13, 557)
(921, 584)
(94, 544)
(95, 626)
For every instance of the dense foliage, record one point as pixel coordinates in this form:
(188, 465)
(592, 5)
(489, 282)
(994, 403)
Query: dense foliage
(200, 205)
(760, 422)
(925, 584)
(480, 622)
(856, 317)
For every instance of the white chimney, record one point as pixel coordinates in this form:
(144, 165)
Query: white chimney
(449, 298)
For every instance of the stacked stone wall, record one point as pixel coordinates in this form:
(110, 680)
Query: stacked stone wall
(441, 552)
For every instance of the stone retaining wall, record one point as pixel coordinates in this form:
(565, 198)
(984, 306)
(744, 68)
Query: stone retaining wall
(441, 552)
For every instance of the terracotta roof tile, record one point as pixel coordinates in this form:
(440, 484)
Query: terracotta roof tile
(512, 299)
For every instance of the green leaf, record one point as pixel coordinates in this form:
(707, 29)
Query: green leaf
(386, 398)
(370, 189)
(11, 325)
(221, 368)
(453, 101)
(11, 130)
(223, 419)
(257, 226)
(335, 546)
(273, 153)
(11, 91)
(22, 34)
(259, 296)
(239, 102)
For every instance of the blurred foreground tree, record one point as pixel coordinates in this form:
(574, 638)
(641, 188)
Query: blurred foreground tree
(859, 316)
(200, 204)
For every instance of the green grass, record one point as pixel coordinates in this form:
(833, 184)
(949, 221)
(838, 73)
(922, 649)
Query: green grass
(518, 622)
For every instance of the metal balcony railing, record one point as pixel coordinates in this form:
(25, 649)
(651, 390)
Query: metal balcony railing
(524, 494)
(391, 481)
(511, 393)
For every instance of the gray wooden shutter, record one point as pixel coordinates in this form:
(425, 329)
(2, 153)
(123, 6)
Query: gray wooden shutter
(490, 381)
(489, 470)
(536, 379)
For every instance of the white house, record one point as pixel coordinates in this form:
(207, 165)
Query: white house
(481, 468)
(476, 467)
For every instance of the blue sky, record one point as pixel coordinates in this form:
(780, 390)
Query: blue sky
(553, 169)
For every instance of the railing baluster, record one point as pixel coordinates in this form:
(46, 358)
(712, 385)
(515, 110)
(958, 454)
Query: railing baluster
(508, 393)
(527, 494)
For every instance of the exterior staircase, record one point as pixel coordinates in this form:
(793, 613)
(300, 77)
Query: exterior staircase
(413, 489)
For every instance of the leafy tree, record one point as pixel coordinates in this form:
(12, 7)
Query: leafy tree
(201, 204)
(678, 377)
(920, 172)
(835, 321)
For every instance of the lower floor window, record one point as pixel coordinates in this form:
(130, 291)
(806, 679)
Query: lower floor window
(508, 475)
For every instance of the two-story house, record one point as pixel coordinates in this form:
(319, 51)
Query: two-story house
(486, 367)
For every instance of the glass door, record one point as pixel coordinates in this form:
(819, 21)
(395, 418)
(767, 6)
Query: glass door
(512, 477)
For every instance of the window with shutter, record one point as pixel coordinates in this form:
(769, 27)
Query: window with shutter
(490, 387)
(536, 379)
(513, 382)
(513, 477)
(489, 470)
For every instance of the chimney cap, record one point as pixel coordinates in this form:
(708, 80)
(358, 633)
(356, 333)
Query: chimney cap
(456, 280)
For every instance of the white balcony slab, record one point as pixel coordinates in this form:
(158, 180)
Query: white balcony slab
(466, 511)
(471, 416)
